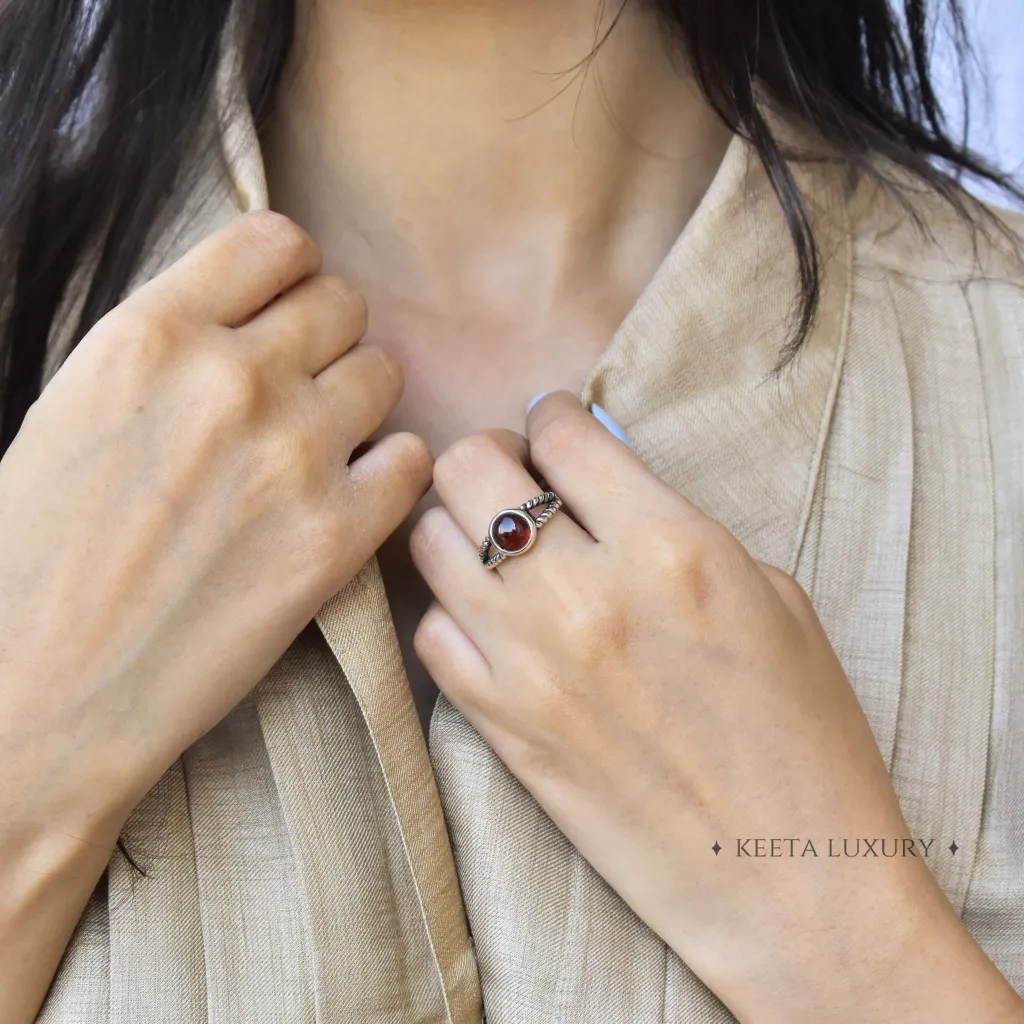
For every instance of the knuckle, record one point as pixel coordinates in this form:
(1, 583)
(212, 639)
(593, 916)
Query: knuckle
(696, 562)
(426, 537)
(232, 383)
(136, 341)
(392, 367)
(427, 639)
(788, 588)
(593, 621)
(465, 458)
(386, 365)
(292, 456)
(558, 440)
(129, 348)
(349, 302)
(411, 459)
(326, 541)
(286, 472)
(280, 236)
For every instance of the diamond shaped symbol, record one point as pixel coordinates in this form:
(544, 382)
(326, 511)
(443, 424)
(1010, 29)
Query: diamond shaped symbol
(716, 848)
(953, 847)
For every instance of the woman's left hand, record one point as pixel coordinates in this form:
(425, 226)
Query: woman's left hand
(661, 693)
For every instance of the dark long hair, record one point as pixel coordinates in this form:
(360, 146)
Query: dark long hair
(102, 104)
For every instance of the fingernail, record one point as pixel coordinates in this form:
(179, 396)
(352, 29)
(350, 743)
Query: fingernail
(535, 400)
(613, 427)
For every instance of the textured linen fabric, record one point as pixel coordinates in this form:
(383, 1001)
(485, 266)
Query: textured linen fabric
(309, 861)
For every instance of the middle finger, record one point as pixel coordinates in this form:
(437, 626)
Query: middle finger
(317, 323)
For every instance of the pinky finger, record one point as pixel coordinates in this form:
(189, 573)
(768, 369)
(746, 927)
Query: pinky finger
(454, 662)
(388, 480)
(370, 498)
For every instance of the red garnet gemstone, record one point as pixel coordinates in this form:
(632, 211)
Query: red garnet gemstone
(511, 531)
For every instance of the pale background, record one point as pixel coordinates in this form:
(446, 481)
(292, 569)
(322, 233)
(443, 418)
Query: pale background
(997, 118)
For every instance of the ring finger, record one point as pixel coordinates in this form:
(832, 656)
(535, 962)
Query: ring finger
(483, 474)
(358, 392)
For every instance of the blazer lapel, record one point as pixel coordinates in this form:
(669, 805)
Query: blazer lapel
(854, 560)
(689, 374)
(359, 630)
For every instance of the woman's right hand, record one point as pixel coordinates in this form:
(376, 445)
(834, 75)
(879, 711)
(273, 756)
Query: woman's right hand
(177, 506)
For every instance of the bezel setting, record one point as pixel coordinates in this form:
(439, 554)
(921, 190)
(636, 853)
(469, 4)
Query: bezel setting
(521, 516)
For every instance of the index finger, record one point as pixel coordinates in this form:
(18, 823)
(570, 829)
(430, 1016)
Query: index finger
(235, 272)
(602, 481)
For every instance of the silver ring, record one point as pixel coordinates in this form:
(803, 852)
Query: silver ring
(513, 530)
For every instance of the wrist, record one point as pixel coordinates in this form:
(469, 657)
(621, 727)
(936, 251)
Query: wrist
(61, 798)
(903, 955)
(51, 858)
(937, 973)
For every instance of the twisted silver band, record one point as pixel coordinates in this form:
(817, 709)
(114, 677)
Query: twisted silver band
(513, 530)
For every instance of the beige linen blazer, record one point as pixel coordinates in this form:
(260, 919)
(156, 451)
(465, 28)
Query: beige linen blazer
(309, 861)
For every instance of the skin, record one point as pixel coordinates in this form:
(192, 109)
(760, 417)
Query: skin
(181, 493)
(507, 210)
(647, 725)
(175, 509)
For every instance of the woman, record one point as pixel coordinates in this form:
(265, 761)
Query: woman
(661, 784)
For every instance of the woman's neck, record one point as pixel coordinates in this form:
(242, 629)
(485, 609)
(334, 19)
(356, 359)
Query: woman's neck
(462, 157)
(499, 217)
